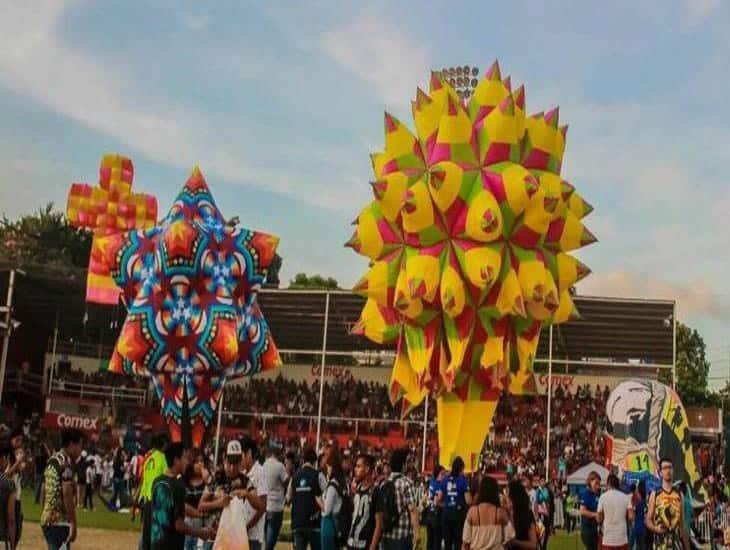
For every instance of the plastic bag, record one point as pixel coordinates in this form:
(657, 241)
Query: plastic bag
(232, 533)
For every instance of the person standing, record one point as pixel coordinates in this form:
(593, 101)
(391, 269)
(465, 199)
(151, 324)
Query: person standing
(397, 506)
(638, 529)
(227, 485)
(8, 527)
(155, 464)
(434, 511)
(167, 523)
(455, 497)
(521, 532)
(89, 487)
(277, 479)
(367, 528)
(486, 520)
(665, 514)
(195, 479)
(118, 497)
(58, 514)
(40, 460)
(254, 506)
(589, 511)
(333, 499)
(614, 510)
(306, 503)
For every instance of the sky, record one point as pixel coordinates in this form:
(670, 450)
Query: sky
(280, 103)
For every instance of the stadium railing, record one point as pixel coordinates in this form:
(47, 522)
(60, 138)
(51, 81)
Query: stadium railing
(84, 390)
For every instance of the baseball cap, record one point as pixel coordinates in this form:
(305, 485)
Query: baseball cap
(234, 448)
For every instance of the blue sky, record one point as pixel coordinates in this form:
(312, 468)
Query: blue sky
(280, 104)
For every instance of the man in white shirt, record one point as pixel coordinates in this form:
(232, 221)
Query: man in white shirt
(614, 511)
(277, 479)
(254, 507)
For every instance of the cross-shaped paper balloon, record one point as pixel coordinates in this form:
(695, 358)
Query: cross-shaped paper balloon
(107, 208)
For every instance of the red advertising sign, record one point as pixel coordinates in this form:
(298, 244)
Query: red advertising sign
(59, 421)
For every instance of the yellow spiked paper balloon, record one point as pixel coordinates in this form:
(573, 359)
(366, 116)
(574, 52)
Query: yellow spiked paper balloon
(468, 238)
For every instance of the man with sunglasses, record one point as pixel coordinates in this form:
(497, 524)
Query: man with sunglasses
(664, 515)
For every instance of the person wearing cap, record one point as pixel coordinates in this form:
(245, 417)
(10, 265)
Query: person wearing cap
(231, 483)
(254, 507)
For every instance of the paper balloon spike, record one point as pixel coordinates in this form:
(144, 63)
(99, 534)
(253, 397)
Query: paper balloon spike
(108, 208)
(468, 237)
(190, 286)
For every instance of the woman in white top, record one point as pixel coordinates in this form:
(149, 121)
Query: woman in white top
(336, 487)
(486, 520)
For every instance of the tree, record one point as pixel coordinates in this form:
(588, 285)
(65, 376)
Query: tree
(302, 281)
(272, 274)
(44, 238)
(692, 368)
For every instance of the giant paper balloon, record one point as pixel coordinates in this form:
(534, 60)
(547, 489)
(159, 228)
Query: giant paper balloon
(190, 286)
(647, 422)
(469, 238)
(108, 208)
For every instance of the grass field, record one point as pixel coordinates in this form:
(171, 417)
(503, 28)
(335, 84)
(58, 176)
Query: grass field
(101, 528)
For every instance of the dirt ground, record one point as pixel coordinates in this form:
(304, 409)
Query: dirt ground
(88, 539)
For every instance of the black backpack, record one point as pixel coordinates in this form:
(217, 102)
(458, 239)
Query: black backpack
(389, 505)
(343, 519)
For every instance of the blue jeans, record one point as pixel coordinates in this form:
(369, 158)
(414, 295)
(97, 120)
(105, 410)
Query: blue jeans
(273, 528)
(191, 543)
(398, 544)
(306, 537)
(328, 533)
(57, 536)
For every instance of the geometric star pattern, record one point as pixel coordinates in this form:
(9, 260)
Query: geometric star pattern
(190, 286)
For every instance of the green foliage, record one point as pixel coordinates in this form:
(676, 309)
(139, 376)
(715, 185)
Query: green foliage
(692, 369)
(302, 281)
(44, 238)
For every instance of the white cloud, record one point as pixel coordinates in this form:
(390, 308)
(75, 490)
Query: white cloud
(37, 63)
(694, 298)
(195, 22)
(379, 53)
(699, 10)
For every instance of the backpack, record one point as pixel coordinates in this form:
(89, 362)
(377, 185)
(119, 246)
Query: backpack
(343, 519)
(389, 501)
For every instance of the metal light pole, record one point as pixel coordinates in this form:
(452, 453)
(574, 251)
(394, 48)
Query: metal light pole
(8, 328)
(321, 372)
(549, 403)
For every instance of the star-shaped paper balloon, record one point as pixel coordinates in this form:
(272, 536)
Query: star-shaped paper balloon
(190, 287)
(468, 238)
(107, 208)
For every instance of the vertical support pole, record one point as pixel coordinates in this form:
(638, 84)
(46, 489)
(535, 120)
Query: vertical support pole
(674, 347)
(321, 372)
(425, 433)
(218, 429)
(6, 337)
(549, 402)
(48, 374)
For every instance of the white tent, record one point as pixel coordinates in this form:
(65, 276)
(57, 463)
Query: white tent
(581, 474)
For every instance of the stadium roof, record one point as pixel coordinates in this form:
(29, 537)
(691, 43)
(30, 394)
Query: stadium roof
(610, 330)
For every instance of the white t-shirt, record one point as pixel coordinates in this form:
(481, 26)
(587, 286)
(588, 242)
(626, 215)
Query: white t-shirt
(614, 505)
(258, 479)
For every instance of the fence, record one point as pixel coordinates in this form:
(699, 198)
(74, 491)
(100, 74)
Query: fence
(83, 390)
(708, 521)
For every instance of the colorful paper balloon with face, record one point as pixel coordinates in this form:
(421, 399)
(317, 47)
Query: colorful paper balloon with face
(647, 422)
(190, 286)
(468, 238)
(108, 208)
